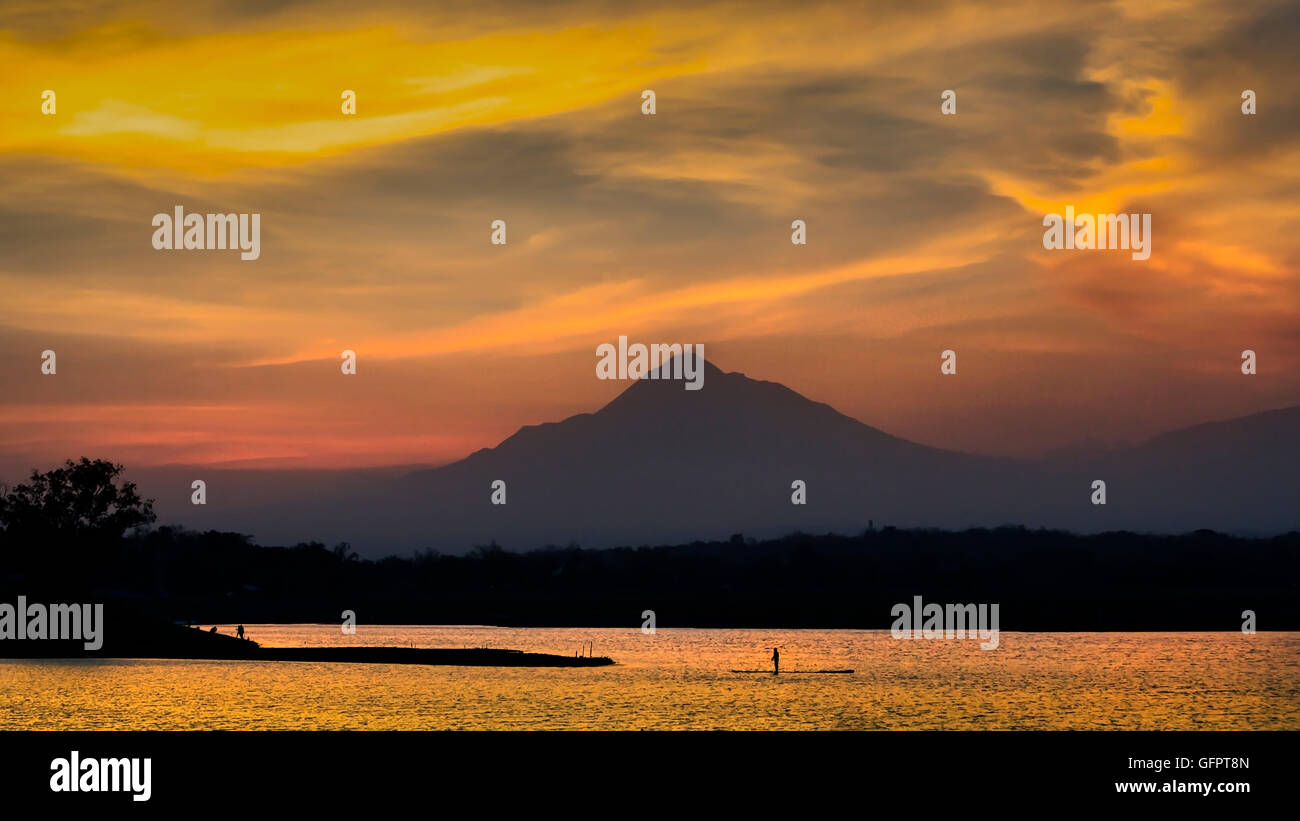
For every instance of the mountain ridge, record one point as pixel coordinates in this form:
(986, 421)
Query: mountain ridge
(659, 464)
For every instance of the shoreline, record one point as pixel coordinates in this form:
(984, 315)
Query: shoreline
(430, 656)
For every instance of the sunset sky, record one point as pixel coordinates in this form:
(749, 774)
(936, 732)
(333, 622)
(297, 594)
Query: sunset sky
(924, 230)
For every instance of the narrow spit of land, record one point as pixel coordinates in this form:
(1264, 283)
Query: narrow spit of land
(149, 639)
(468, 657)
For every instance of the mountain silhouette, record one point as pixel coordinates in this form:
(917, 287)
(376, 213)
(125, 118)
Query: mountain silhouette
(661, 464)
(1240, 475)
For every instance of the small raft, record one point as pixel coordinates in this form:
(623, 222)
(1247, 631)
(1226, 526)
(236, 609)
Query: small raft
(796, 672)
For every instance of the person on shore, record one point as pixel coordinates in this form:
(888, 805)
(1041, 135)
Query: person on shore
(776, 662)
(239, 631)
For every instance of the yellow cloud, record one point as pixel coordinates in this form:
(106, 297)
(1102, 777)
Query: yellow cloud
(567, 320)
(215, 102)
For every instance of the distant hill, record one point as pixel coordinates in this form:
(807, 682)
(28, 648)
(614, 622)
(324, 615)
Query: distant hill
(661, 464)
(1241, 475)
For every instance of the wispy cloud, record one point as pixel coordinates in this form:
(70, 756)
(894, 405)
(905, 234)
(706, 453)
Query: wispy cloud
(924, 230)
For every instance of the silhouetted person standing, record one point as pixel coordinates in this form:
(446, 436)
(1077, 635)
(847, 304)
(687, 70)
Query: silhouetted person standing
(776, 662)
(239, 631)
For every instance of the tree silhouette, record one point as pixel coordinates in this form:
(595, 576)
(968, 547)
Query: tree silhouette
(344, 553)
(81, 505)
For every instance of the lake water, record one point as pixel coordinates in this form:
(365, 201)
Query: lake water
(680, 679)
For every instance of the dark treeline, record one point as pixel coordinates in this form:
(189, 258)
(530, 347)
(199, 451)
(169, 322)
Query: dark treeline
(1042, 580)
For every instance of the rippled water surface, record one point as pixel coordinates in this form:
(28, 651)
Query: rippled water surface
(680, 679)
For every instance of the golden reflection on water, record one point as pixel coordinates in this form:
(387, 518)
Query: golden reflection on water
(679, 679)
